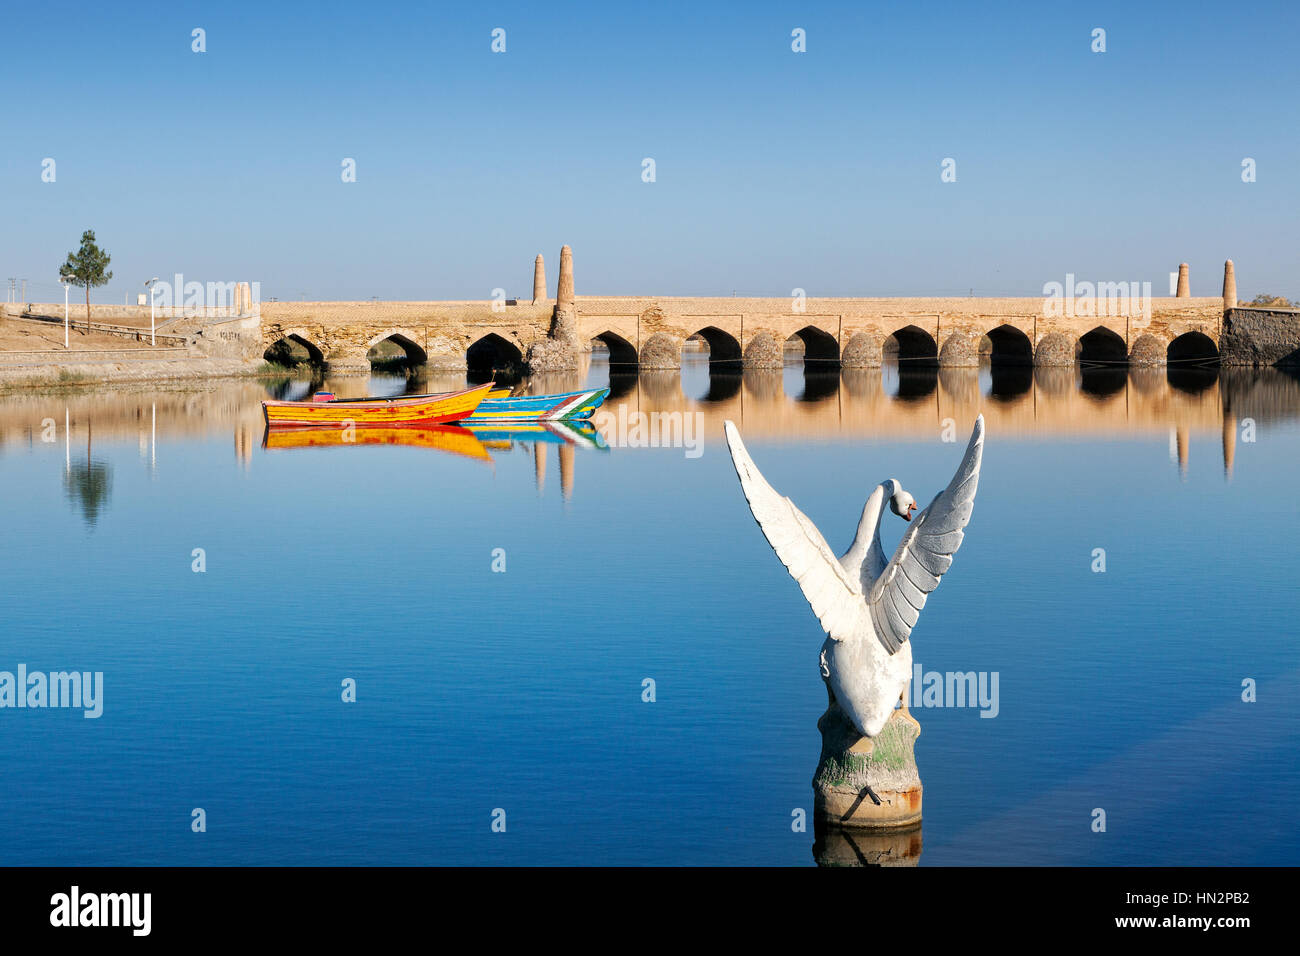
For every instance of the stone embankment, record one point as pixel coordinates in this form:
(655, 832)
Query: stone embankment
(1261, 337)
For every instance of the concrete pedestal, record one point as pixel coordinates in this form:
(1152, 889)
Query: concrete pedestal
(845, 780)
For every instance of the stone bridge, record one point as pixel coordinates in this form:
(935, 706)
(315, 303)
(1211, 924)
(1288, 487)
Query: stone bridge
(863, 333)
(1088, 323)
(441, 335)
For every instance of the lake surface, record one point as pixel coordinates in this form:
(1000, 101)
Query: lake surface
(522, 691)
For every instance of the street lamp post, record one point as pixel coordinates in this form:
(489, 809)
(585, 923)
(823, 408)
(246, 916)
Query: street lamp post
(66, 281)
(150, 286)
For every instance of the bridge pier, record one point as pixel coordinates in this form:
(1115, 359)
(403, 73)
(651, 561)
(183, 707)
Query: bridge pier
(1148, 352)
(347, 365)
(960, 350)
(863, 350)
(1054, 350)
(445, 354)
(764, 351)
(661, 351)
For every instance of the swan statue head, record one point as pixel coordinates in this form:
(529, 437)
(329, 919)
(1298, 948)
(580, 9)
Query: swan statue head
(900, 502)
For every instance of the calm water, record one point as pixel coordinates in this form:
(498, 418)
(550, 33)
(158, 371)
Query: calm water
(522, 690)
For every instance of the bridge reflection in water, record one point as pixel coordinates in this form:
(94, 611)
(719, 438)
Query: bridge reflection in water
(798, 404)
(917, 403)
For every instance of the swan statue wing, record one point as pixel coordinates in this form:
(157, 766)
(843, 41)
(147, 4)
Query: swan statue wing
(834, 594)
(925, 551)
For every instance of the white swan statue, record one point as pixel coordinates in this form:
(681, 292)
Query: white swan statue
(867, 607)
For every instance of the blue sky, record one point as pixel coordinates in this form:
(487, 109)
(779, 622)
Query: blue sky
(775, 170)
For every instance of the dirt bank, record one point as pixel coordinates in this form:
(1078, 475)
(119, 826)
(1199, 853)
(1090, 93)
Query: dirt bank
(37, 375)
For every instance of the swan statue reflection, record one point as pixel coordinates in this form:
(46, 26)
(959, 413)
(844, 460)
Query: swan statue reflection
(866, 605)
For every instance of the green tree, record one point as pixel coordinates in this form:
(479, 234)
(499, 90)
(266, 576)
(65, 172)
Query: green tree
(88, 267)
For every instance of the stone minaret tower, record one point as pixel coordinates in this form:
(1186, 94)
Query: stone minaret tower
(1184, 286)
(539, 280)
(1229, 286)
(564, 291)
(558, 352)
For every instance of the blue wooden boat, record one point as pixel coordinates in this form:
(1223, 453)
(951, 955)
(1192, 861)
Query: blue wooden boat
(567, 406)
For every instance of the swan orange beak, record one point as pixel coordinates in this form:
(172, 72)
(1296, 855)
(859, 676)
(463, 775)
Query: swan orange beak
(910, 509)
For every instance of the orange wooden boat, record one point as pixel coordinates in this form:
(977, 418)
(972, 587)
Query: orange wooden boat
(410, 411)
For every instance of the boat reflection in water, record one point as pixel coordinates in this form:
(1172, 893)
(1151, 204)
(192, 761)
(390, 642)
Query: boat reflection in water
(580, 433)
(474, 441)
(449, 438)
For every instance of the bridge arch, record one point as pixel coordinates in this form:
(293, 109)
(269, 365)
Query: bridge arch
(1010, 368)
(494, 353)
(288, 349)
(723, 346)
(818, 345)
(413, 354)
(1192, 359)
(817, 374)
(1102, 346)
(912, 346)
(621, 351)
(1009, 346)
(1103, 360)
(1192, 347)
